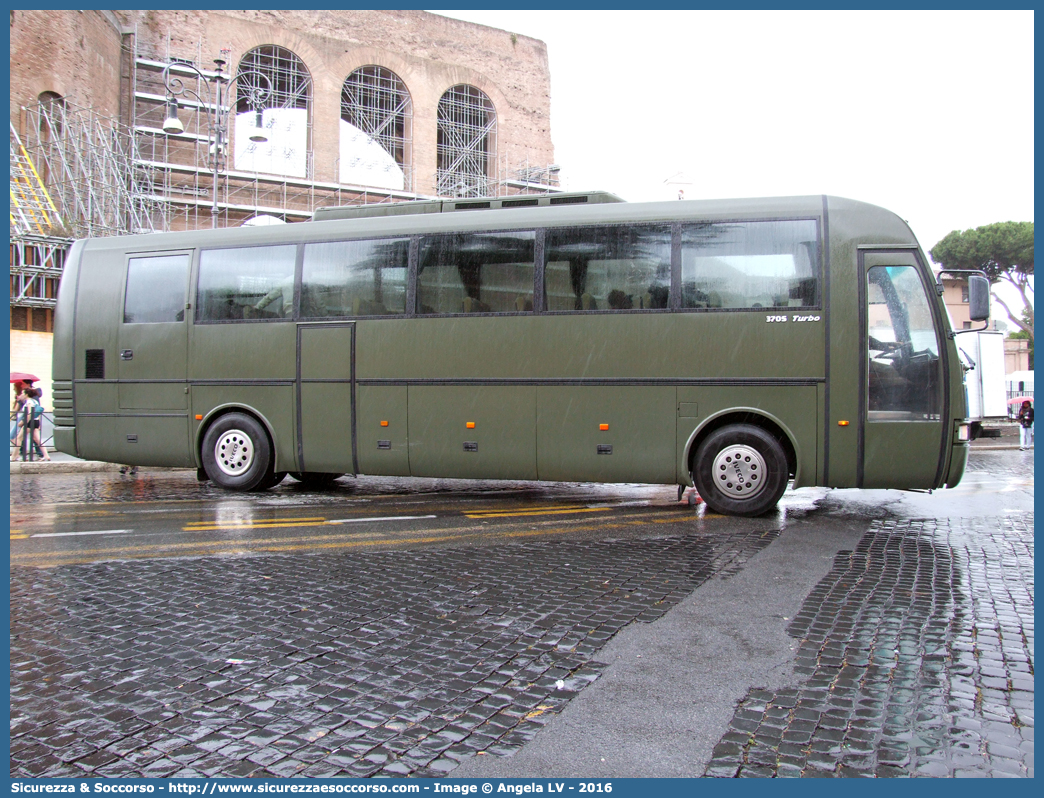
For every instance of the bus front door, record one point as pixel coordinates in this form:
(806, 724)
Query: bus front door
(902, 434)
(325, 398)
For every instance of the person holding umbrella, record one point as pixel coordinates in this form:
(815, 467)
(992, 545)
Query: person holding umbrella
(1025, 418)
(20, 380)
(22, 385)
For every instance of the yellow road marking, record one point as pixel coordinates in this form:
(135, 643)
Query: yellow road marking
(521, 513)
(307, 543)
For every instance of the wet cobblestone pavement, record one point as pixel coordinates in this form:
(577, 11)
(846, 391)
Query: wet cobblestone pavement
(394, 663)
(915, 659)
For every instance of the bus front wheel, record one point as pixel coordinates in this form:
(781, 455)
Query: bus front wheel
(741, 469)
(236, 452)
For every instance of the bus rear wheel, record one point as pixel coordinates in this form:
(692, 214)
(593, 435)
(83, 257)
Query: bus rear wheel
(236, 452)
(315, 478)
(741, 469)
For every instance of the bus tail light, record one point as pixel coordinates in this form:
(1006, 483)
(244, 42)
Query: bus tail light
(963, 432)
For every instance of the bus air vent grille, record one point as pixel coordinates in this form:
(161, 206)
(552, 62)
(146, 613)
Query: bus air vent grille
(94, 367)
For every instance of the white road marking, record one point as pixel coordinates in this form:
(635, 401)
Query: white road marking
(69, 534)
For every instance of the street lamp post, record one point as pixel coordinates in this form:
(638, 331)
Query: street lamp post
(257, 87)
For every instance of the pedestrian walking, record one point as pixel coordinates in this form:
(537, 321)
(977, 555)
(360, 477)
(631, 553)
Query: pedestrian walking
(1025, 418)
(29, 416)
(16, 409)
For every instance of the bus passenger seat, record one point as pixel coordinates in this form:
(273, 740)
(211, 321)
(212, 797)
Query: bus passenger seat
(469, 305)
(523, 303)
(367, 307)
(587, 302)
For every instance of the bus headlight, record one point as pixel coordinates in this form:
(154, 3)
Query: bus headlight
(963, 433)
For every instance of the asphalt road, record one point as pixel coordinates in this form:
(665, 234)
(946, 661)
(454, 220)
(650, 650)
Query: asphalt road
(611, 677)
(78, 518)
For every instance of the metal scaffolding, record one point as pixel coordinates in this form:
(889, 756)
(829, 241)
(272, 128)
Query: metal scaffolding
(77, 174)
(467, 144)
(377, 102)
(88, 164)
(38, 238)
(182, 166)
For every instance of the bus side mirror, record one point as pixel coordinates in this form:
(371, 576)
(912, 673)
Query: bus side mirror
(978, 297)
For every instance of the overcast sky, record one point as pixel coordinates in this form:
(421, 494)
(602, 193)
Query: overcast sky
(929, 114)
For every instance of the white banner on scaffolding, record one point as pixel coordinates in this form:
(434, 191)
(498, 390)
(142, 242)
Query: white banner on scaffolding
(364, 162)
(285, 152)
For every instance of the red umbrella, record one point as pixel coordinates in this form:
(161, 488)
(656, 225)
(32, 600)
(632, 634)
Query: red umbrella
(1018, 400)
(21, 376)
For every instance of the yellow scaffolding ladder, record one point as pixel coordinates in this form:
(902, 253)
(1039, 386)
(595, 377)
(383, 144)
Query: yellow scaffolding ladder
(32, 210)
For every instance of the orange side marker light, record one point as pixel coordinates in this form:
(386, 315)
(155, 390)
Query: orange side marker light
(603, 427)
(842, 423)
(384, 423)
(470, 425)
(199, 418)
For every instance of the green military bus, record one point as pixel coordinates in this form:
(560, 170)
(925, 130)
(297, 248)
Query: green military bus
(734, 345)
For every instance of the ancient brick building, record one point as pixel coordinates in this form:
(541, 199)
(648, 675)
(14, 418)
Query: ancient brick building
(119, 119)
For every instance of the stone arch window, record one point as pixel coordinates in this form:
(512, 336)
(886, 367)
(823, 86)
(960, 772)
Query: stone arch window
(286, 112)
(52, 115)
(466, 143)
(50, 121)
(376, 129)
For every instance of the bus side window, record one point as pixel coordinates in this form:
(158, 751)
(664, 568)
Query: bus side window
(246, 283)
(156, 289)
(476, 272)
(620, 267)
(355, 278)
(750, 265)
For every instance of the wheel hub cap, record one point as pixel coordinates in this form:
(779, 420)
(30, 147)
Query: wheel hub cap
(739, 471)
(234, 452)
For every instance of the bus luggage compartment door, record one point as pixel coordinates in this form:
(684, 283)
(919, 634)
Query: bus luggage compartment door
(325, 398)
(473, 431)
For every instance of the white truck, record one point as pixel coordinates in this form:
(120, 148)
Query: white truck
(982, 353)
